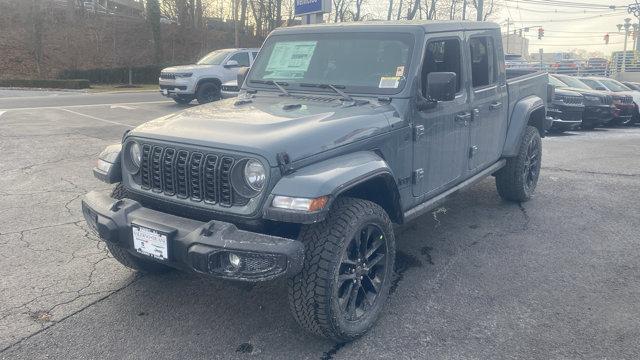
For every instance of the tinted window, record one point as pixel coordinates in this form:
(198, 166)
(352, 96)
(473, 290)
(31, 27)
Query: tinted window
(442, 56)
(242, 58)
(573, 82)
(593, 84)
(255, 54)
(483, 61)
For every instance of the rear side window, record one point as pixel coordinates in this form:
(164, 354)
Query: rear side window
(483, 61)
(255, 54)
(442, 56)
(242, 58)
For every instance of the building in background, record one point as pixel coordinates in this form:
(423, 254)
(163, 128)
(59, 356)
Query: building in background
(516, 44)
(132, 8)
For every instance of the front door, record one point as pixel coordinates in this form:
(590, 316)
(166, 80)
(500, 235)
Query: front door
(441, 134)
(489, 124)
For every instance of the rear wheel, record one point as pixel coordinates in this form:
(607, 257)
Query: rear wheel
(208, 92)
(518, 179)
(346, 277)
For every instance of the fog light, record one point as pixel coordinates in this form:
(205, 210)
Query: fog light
(234, 260)
(104, 166)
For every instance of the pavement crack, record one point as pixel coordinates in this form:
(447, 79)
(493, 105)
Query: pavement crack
(53, 323)
(602, 173)
(527, 219)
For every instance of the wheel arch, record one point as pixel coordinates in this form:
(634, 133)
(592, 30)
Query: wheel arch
(528, 111)
(363, 175)
(214, 80)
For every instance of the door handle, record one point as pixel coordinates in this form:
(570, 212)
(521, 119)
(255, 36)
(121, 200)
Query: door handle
(495, 105)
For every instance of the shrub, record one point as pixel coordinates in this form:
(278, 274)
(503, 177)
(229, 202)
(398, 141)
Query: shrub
(141, 75)
(52, 84)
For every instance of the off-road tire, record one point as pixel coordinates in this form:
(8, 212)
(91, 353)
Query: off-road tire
(314, 292)
(183, 100)
(208, 92)
(512, 181)
(119, 192)
(123, 256)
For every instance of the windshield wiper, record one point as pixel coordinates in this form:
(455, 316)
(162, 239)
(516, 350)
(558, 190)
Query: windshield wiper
(336, 88)
(277, 84)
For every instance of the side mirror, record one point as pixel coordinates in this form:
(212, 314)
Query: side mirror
(441, 86)
(232, 64)
(242, 74)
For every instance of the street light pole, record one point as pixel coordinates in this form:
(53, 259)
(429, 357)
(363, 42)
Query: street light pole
(627, 25)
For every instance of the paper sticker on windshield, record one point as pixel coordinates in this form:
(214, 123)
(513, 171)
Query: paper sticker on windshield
(389, 82)
(290, 60)
(400, 71)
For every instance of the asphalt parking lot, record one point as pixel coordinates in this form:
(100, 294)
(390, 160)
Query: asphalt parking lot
(554, 278)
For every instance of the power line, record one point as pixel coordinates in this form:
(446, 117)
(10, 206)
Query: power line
(519, 7)
(570, 19)
(570, 4)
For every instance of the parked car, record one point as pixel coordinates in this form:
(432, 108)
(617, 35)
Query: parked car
(230, 89)
(566, 108)
(338, 132)
(566, 66)
(203, 80)
(598, 105)
(632, 85)
(516, 61)
(625, 99)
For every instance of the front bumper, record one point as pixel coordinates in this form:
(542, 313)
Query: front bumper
(173, 88)
(596, 115)
(193, 245)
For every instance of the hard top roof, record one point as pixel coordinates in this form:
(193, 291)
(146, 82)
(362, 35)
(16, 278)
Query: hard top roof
(413, 25)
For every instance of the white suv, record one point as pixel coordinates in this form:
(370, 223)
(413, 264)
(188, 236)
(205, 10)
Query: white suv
(203, 80)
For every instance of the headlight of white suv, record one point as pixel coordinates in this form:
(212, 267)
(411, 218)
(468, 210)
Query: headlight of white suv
(183, 75)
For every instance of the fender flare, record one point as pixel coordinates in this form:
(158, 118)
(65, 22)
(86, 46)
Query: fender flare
(331, 178)
(519, 120)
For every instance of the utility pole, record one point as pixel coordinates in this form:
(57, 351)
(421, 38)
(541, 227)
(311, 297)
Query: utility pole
(480, 8)
(626, 26)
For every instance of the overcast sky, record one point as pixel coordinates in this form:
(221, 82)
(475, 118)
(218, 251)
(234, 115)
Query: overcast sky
(561, 32)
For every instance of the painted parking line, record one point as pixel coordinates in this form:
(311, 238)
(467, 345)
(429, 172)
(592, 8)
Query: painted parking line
(95, 118)
(88, 105)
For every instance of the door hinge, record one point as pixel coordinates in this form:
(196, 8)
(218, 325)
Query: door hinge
(473, 151)
(418, 131)
(418, 174)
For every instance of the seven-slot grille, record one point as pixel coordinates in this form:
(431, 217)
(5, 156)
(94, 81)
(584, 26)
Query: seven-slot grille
(167, 76)
(188, 174)
(626, 99)
(568, 99)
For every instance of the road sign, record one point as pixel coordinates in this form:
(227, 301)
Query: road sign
(304, 7)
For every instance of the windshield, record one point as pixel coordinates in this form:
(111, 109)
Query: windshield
(214, 58)
(614, 85)
(572, 82)
(555, 82)
(356, 62)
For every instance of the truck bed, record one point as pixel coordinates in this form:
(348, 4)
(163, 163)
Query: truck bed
(529, 84)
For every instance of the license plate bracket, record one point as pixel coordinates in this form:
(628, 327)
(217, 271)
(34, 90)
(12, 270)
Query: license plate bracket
(150, 242)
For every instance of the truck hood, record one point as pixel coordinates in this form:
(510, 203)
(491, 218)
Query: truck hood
(269, 125)
(187, 68)
(587, 92)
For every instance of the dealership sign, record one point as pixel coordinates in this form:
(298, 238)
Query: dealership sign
(305, 7)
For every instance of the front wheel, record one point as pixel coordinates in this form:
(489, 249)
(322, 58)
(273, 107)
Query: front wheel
(518, 179)
(346, 277)
(207, 93)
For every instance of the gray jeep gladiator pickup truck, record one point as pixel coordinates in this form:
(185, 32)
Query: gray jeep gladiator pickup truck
(338, 132)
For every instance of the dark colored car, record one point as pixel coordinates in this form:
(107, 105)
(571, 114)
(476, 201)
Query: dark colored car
(632, 85)
(565, 109)
(338, 132)
(598, 105)
(623, 98)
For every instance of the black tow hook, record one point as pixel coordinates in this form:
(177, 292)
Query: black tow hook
(207, 230)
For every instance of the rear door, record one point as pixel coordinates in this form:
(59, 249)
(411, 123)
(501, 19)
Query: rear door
(231, 73)
(489, 124)
(441, 134)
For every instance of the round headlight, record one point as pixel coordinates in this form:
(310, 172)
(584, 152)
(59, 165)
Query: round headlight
(136, 154)
(254, 175)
